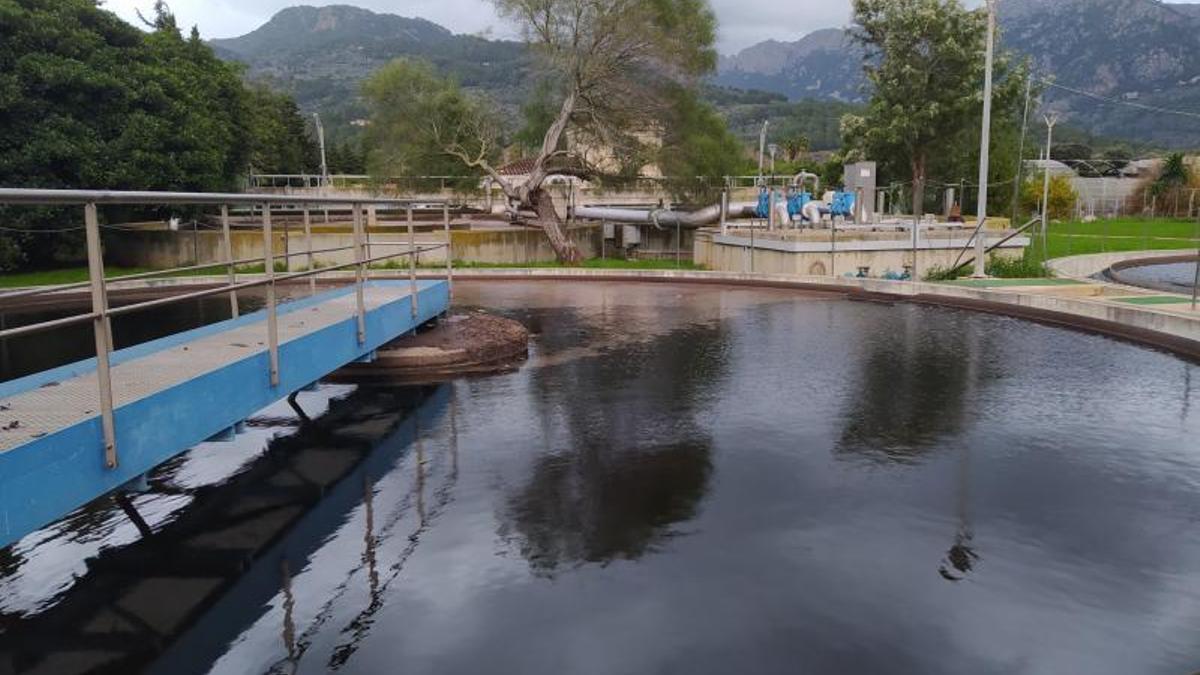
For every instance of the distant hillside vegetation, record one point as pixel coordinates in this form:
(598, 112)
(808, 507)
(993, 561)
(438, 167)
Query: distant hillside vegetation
(1139, 50)
(321, 55)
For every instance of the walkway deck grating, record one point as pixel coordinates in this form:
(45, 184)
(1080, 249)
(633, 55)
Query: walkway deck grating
(168, 399)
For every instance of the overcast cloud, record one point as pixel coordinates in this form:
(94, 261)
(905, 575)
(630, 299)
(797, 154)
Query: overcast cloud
(743, 22)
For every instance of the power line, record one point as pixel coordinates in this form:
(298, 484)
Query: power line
(1117, 101)
(31, 230)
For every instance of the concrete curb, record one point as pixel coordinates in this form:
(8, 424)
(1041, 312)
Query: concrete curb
(1084, 267)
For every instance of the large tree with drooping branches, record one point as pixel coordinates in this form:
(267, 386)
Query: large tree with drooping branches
(613, 70)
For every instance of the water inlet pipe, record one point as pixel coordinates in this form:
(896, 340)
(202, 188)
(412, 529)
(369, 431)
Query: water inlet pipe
(709, 215)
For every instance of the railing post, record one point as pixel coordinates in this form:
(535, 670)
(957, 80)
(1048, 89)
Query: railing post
(103, 334)
(230, 271)
(412, 262)
(312, 281)
(287, 245)
(272, 313)
(371, 215)
(449, 253)
(359, 273)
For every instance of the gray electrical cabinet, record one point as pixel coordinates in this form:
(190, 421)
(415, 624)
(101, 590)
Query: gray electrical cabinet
(631, 235)
(860, 180)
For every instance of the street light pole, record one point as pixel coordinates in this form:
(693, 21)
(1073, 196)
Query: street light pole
(985, 143)
(1051, 120)
(321, 142)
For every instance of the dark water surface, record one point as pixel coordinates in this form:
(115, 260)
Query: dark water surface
(703, 480)
(1171, 277)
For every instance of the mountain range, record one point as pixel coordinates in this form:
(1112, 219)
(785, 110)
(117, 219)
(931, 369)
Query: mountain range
(1142, 52)
(320, 55)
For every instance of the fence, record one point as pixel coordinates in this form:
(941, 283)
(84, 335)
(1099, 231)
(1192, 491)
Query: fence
(100, 315)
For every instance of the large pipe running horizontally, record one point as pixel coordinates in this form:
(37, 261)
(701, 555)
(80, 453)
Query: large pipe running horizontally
(710, 215)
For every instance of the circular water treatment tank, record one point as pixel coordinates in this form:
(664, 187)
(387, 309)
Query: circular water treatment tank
(701, 479)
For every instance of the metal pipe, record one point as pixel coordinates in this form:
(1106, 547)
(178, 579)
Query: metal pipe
(799, 179)
(359, 273)
(710, 215)
(230, 270)
(101, 332)
(272, 310)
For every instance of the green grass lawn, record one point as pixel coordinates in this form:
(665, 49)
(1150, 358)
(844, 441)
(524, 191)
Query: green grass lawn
(1103, 236)
(70, 275)
(1123, 234)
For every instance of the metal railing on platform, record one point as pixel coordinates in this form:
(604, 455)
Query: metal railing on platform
(101, 315)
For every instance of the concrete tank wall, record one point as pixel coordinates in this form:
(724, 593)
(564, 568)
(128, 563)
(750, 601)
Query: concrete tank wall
(161, 249)
(725, 257)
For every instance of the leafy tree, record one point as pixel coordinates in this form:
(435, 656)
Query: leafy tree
(538, 114)
(423, 124)
(697, 148)
(612, 64)
(795, 146)
(924, 63)
(1062, 196)
(1065, 152)
(280, 142)
(88, 101)
(1173, 175)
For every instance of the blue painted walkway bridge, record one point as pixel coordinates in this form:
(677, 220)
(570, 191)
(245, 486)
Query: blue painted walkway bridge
(80, 431)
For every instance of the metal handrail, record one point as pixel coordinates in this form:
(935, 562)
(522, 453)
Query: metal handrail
(58, 288)
(41, 197)
(44, 326)
(255, 283)
(101, 315)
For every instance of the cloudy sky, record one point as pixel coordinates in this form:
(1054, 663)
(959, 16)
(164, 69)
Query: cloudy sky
(743, 22)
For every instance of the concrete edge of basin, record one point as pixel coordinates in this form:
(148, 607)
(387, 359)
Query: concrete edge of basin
(1148, 325)
(1173, 332)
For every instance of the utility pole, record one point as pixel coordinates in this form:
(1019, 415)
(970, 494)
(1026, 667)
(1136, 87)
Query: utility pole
(1051, 120)
(985, 143)
(1021, 153)
(321, 142)
(762, 148)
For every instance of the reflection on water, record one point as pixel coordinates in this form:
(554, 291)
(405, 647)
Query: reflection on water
(28, 354)
(705, 480)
